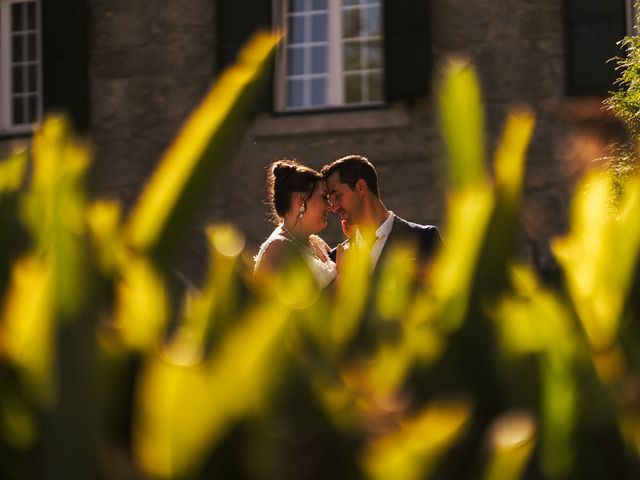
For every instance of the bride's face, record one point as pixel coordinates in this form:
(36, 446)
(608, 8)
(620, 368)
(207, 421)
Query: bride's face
(315, 216)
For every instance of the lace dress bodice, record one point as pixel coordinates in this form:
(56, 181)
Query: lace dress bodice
(316, 256)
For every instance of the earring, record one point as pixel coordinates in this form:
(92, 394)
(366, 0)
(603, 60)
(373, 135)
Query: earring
(301, 210)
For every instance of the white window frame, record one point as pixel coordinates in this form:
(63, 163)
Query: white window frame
(7, 126)
(335, 73)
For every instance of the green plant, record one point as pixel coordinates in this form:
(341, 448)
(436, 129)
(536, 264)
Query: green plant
(624, 103)
(473, 370)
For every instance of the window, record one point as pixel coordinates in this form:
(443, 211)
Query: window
(20, 65)
(338, 53)
(592, 29)
(332, 55)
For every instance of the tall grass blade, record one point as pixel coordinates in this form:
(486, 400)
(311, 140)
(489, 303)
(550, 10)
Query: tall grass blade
(462, 119)
(186, 170)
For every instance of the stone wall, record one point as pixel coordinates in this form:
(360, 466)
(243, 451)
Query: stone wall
(151, 61)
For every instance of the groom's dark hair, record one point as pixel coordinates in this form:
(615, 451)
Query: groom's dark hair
(352, 168)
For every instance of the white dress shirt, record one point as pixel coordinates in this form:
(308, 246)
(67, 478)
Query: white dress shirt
(382, 233)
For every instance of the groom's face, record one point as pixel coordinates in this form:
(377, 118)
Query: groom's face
(344, 201)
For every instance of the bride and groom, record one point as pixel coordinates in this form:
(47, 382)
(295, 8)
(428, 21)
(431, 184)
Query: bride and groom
(301, 199)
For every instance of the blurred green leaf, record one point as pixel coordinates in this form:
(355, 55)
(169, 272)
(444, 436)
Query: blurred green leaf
(351, 297)
(18, 423)
(450, 278)
(141, 309)
(207, 314)
(599, 256)
(394, 289)
(462, 119)
(534, 319)
(185, 171)
(104, 223)
(502, 231)
(13, 171)
(54, 211)
(412, 452)
(27, 327)
(184, 409)
(511, 154)
(511, 439)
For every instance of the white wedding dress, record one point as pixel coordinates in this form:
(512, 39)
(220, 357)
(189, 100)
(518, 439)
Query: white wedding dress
(316, 256)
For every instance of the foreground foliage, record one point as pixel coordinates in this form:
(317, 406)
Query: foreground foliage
(475, 370)
(624, 103)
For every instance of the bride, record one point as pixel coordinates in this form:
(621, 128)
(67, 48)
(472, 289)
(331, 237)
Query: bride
(299, 204)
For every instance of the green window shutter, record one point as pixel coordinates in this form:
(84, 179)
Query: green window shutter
(238, 20)
(64, 59)
(407, 49)
(592, 28)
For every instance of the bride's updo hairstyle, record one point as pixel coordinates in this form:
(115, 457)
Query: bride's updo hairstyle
(285, 178)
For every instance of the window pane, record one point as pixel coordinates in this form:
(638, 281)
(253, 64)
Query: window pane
(16, 17)
(32, 114)
(17, 85)
(307, 78)
(351, 56)
(298, 5)
(318, 92)
(319, 28)
(17, 50)
(352, 88)
(32, 78)
(18, 110)
(373, 54)
(295, 59)
(22, 63)
(318, 4)
(351, 23)
(295, 93)
(31, 47)
(31, 15)
(372, 25)
(319, 59)
(375, 87)
(296, 29)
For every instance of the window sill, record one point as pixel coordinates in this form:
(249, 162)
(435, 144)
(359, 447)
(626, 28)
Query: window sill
(394, 116)
(16, 134)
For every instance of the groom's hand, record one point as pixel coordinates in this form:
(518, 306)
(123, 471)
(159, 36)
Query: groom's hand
(347, 228)
(340, 253)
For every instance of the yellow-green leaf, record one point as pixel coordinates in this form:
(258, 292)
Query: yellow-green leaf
(190, 157)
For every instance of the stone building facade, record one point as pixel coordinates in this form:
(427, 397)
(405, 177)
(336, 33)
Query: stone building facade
(148, 64)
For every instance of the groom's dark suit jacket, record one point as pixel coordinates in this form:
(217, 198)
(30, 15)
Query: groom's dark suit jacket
(422, 241)
(425, 239)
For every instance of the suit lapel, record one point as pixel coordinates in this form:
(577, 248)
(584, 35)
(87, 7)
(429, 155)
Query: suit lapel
(390, 239)
(384, 250)
(398, 231)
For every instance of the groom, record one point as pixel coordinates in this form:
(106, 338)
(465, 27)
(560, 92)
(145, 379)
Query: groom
(352, 183)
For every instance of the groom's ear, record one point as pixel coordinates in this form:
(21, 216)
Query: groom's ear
(361, 187)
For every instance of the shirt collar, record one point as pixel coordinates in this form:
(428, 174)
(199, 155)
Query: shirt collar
(383, 230)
